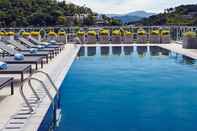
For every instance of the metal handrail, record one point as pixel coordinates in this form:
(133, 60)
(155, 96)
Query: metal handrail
(29, 80)
(43, 85)
(46, 74)
(23, 94)
(52, 83)
(34, 92)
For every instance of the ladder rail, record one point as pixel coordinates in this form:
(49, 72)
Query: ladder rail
(24, 96)
(52, 83)
(49, 78)
(43, 85)
(33, 90)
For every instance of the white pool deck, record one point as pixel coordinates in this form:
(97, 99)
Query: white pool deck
(57, 69)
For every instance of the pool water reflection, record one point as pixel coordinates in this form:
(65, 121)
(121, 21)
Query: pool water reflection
(129, 89)
(141, 51)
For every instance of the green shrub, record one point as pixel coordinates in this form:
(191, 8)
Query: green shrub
(104, 32)
(127, 33)
(92, 33)
(52, 33)
(165, 32)
(141, 32)
(25, 34)
(2, 33)
(190, 34)
(155, 32)
(116, 33)
(61, 33)
(80, 33)
(10, 33)
(35, 33)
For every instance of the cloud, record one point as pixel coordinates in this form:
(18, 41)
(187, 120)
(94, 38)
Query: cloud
(124, 6)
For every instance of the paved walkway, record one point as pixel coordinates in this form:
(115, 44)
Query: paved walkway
(11, 105)
(178, 49)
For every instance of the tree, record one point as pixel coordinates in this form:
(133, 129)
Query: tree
(38, 19)
(181, 15)
(61, 20)
(18, 13)
(89, 20)
(115, 22)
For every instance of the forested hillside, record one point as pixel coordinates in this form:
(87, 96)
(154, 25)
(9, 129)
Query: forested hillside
(21, 13)
(181, 15)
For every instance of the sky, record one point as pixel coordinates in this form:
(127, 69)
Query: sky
(125, 6)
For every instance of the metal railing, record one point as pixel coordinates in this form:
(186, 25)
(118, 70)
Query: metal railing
(176, 31)
(43, 85)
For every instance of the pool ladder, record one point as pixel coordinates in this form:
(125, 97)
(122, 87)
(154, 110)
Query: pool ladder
(56, 107)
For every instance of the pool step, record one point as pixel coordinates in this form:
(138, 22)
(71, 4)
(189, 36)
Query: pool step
(58, 116)
(17, 122)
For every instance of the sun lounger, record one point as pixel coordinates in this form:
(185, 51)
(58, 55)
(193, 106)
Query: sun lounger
(18, 45)
(31, 45)
(27, 51)
(12, 52)
(58, 48)
(4, 81)
(27, 60)
(22, 47)
(20, 69)
(37, 42)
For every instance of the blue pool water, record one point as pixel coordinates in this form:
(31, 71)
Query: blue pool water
(129, 89)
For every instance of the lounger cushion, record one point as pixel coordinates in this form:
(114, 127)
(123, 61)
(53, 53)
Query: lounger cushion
(46, 44)
(3, 65)
(52, 42)
(19, 56)
(33, 50)
(41, 47)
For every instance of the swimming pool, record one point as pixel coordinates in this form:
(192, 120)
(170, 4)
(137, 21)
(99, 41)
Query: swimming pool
(129, 89)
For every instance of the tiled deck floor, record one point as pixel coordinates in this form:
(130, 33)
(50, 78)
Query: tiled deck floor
(10, 105)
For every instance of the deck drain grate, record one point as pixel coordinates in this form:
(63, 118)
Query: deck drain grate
(10, 127)
(27, 106)
(25, 109)
(19, 117)
(16, 123)
(23, 113)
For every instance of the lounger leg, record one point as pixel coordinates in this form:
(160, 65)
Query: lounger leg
(3, 54)
(47, 58)
(36, 66)
(56, 52)
(30, 70)
(51, 56)
(41, 63)
(12, 87)
(22, 77)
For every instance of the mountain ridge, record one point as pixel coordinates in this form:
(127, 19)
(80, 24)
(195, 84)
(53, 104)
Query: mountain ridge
(180, 15)
(131, 16)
